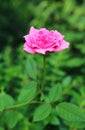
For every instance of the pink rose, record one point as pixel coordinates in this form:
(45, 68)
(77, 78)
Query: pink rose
(43, 41)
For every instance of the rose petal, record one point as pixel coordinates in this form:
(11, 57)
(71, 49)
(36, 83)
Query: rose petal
(41, 51)
(44, 51)
(43, 41)
(28, 49)
(33, 30)
(63, 46)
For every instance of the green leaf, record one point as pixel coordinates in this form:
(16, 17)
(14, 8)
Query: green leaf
(42, 112)
(28, 93)
(54, 121)
(78, 125)
(6, 101)
(1, 128)
(23, 124)
(55, 93)
(66, 81)
(31, 68)
(74, 62)
(70, 112)
(12, 117)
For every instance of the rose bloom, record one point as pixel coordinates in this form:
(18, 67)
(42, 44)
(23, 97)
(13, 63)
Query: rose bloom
(43, 41)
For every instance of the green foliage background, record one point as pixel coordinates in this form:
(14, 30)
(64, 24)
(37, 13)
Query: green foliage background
(67, 67)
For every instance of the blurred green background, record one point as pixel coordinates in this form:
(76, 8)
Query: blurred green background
(67, 67)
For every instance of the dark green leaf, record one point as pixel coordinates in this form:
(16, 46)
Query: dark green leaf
(31, 68)
(6, 101)
(70, 112)
(23, 124)
(42, 112)
(28, 93)
(12, 117)
(55, 93)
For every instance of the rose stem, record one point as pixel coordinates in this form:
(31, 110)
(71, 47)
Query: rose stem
(44, 71)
